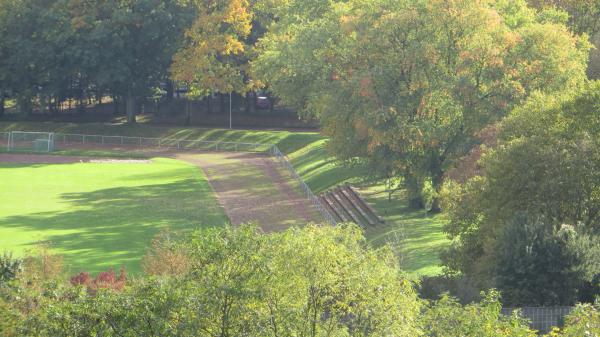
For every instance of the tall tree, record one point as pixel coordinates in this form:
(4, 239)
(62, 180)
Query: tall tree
(545, 168)
(214, 57)
(414, 80)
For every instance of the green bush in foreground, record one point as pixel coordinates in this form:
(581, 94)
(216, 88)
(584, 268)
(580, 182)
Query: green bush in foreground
(315, 281)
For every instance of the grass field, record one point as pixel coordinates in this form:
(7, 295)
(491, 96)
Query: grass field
(100, 215)
(421, 233)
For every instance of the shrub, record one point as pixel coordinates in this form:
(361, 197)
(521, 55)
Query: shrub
(104, 280)
(9, 267)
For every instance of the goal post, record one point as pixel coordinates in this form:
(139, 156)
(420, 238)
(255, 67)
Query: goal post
(25, 141)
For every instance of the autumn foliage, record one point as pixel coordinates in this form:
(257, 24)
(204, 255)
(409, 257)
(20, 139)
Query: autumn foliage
(104, 280)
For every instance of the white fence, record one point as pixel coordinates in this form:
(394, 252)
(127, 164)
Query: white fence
(307, 191)
(168, 143)
(63, 140)
(542, 318)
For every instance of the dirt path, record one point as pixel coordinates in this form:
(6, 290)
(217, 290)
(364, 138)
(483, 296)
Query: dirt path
(254, 188)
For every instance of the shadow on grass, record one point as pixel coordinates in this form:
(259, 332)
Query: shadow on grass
(113, 227)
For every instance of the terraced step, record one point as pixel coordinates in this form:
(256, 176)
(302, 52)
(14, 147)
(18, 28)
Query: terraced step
(330, 208)
(346, 205)
(341, 212)
(358, 204)
(364, 205)
(354, 217)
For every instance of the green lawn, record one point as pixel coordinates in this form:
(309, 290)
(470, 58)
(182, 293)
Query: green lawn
(421, 233)
(100, 215)
(416, 235)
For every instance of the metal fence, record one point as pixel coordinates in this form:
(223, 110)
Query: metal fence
(307, 191)
(167, 143)
(542, 318)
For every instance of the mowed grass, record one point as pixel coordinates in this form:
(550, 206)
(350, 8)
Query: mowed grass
(100, 215)
(421, 234)
(416, 235)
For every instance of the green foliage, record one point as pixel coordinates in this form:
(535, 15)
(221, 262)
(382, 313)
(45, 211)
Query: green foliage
(584, 320)
(316, 281)
(71, 49)
(407, 85)
(447, 317)
(546, 168)
(9, 267)
(537, 264)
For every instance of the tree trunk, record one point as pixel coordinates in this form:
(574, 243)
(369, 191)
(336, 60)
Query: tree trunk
(436, 182)
(25, 106)
(115, 105)
(169, 90)
(2, 99)
(188, 113)
(222, 103)
(414, 191)
(251, 102)
(130, 108)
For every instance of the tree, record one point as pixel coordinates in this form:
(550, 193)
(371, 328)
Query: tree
(545, 167)
(446, 317)
(214, 57)
(313, 281)
(414, 80)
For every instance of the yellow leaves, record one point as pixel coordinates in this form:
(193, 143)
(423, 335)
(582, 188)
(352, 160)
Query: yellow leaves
(232, 46)
(216, 40)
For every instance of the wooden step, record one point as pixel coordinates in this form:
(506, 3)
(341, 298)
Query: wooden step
(330, 209)
(339, 209)
(348, 208)
(359, 206)
(364, 204)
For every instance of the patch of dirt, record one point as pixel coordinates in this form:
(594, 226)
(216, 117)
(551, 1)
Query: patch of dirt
(272, 203)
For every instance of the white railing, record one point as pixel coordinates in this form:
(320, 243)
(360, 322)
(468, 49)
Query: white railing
(170, 143)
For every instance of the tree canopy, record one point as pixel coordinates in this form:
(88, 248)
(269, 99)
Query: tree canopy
(408, 85)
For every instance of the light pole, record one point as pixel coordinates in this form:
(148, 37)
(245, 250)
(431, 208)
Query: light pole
(230, 109)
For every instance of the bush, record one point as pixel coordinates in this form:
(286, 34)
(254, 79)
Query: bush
(9, 267)
(583, 321)
(448, 318)
(461, 287)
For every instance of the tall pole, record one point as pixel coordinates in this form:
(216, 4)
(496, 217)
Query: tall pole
(230, 109)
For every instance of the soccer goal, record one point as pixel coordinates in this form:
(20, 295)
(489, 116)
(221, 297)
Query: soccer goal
(30, 141)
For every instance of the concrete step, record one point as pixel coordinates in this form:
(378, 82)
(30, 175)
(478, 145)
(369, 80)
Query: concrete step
(347, 206)
(358, 204)
(364, 205)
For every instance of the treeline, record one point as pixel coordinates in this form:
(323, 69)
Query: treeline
(53, 51)
(315, 281)
(125, 51)
(482, 109)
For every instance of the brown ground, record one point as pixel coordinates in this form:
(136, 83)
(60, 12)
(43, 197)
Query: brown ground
(250, 187)
(254, 188)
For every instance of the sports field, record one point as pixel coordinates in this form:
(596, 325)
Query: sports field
(101, 214)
